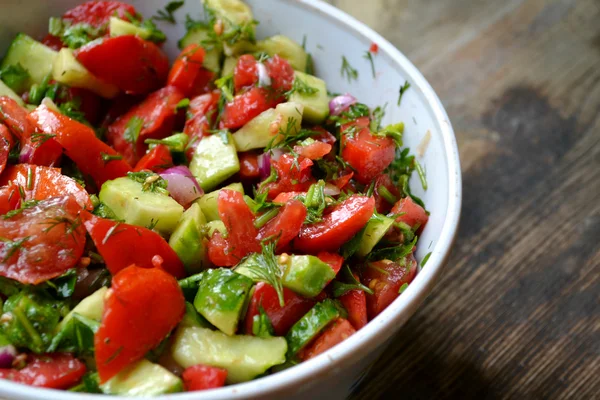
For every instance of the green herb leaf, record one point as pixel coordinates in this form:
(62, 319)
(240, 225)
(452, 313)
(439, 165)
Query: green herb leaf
(422, 175)
(403, 288)
(352, 246)
(264, 268)
(261, 324)
(175, 143)
(403, 89)
(15, 77)
(315, 202)
(133, 129)
(76, 336)
(349, 283)
(90, 383)
(425, 259)
(348, 71)
(150, 181)
(301, 87)
(377, 117)
(369, 57)
(393, 253)
(167, 14)
(110, 157)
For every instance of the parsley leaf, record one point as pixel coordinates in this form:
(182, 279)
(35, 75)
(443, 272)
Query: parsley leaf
(393, 253)
(315, 202)
(350, 282)
(133, 129)
(377, 117)
(301, 87)
(261, 324)
(167, 14)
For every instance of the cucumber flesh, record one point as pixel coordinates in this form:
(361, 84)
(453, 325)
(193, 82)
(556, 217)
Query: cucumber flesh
(8, 92)
(214, 160)
(309, 326)
(143, 379)
(34, 56)
(286, 48)
(212, 58)
(189, 242)
(316, 105)
(91, 307)
(208, 202)
(375, 230)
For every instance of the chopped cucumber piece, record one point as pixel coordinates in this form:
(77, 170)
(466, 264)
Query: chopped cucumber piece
(119, 27)
(286, 48)
(212, 58)
(244, 357)
(192, 318)
(221, 298)
(8, 92)
(309, 326)
(91, 307)
(237, 20)
(35, 57)
(143, 379)
(375, 230)
(215, 160)
(216, 226)
(316, 105)
(285, 119)
(229, 66)
(208, 202)
(189, 242)
(69, 71)
(135, 206)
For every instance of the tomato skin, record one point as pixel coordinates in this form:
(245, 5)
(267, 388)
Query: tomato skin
(15, 118)
(368, 154)
(314, 151)
(218, 251)
(292, 176)
(141, 308)
(282, 318)
(203, 377)
(204, 82)
(134, 65)
(281, 73)
(186, 68)
(159, 115)
(6, 144)
(91, 104)
(284, 197)
(52, 240)
(334, 260)
(343, 180)
(386, 285)
(245, 72)
(246, 106)
(338, 226)
(53, 42)
(374, 48)
(355, 302)
(249, 170)
(53, 371)
(9, 198)
(381, 204)
(414, 213)
(122, 245)
(41, 183)
(335, 333)
(81, 145)
(286, 225)
(156, 159)
(98, 13)
(201, 114)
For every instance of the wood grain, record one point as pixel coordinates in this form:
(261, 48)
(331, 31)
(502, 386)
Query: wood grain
(517, 314)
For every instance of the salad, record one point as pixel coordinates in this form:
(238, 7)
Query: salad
(168, 228)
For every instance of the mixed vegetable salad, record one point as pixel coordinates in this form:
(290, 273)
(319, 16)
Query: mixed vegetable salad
(169, 228)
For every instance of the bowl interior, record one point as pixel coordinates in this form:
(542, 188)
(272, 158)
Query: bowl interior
(330, 35)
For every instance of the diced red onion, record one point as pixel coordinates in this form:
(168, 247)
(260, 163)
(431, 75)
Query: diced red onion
(25, 155)
(264, 80)
(182, 185)
(264, 165)
(7, 355)
(276, 154)
(341, 103)
(331, 190)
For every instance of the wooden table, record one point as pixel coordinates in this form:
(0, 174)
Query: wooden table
(517, 313)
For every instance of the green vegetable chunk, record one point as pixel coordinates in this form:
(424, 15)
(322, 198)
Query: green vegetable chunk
(215, 160)
(309, 326)
(77, 335)
(375, 230)
(8, 92)
(244, 357)
(91, 308)
(221, 298)
(286, 48)
(316, 104)
(189, 242)
(36, 58)
(143, 379)
(208, 202)
(199, 34)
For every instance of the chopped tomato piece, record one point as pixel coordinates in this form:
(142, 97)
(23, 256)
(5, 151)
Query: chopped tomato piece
(282, 318)
(286, 225)
(53, 371)
(284, 197)
(186, 68)
(6, 144)
(281, 73)
(334, 260)
(53, 42)
(385, 279)
(343, 180)
(41, 183)
(10, 198)
(355, 302)
(81, 145)
(90, 103)
(313, 151)
(134, 65)
(122, 245)
(413, 213)
(293, 175)
(98, 13)
(249, 170)
(141, 308)
(374, 48)
(335, 333)
(41, 242)
(202, 377)
(15, 118)
(338, 225)
(246, 106)
(246, 72)
(218, 251)
(156, 159)
(382, 205)
(201, 116)
(369, 155)
(203, 83)
(157, 117)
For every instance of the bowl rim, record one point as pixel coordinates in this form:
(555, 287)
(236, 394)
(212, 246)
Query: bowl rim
(383, 326)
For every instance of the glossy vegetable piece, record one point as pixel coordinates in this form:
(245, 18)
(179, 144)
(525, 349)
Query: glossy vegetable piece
(203, 377)
(285, 48)
(157, 159)
(98, 13)
(306, 275)
(338, 225)
(14, 116)
(9, 198)
(281, 73)
(355, 302)
(41, 183)
(186, 68)
(122, 245)
(142, 307)
(375, 230)
(81, 145)
(369, 155)
(209, 202)
(314, 151)
(286, 225)
(215, 159)
(316, 104)
(282, 318)
(386, 278)
(42, 242)
(143, 378)
(189, 242)
(246, 72)
(310, 325)
(53, 371)
(336, 333)
(6, 145)
(413, 214)
(221, 298)
(154, 118)
(249, 170)
(201, 114)
(293, 175)
(134, 65)
(383, 183)
(334, 260)
(246, 106)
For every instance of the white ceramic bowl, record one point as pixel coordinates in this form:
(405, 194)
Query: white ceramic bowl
(330, 34)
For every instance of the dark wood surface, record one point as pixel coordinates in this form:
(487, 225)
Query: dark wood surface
(517, 313)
